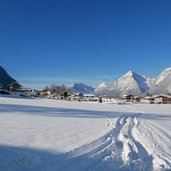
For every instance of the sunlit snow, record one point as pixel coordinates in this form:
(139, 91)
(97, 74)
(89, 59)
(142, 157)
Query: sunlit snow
(51, 135)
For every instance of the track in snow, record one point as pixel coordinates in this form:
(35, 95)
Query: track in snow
(157, 141)
(131, 145)
(118, 150)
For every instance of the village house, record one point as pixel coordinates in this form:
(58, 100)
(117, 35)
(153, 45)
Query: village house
(27, 92)
(148, 99)
(15, 88)
(127, 97)
(162, 99)
(107, 99)
(136, 99)
(65, 96)
(90, 97)
(18, 90)
(84, 97)
(36, 93)
(77, 97)
(45, 93)
(110, 100)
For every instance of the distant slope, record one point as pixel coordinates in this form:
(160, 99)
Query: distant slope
(163, 83)
(82, 88)
(100, 88)
(5, 79)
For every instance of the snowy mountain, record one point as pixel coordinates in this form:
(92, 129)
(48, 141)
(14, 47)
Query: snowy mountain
(82, 88)
(5, 79)
(130, 83)
(163, 83)
(133, 83)
(100, 88)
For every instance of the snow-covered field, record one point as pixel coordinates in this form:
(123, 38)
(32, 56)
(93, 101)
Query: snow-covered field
(50, 135)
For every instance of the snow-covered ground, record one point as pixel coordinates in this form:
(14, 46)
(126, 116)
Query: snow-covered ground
(50, 135)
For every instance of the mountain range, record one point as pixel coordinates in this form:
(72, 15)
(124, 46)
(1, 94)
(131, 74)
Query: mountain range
(130, 83)
(136, 84)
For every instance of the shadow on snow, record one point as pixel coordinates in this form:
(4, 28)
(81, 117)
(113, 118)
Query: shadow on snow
(80, 113)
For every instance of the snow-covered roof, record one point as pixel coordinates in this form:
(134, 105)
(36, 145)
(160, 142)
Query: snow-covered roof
(125, 95)
(76, 94)
(89, 95)
(162, 95)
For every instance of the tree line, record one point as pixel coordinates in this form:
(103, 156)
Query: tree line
(58, 89)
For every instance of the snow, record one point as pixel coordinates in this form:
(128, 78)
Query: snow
(50, 135)
(163, 75)
(136, 84)
(100, 88)
(102, 85)
(163, 83)
(130, 83)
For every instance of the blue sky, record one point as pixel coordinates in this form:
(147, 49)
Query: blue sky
(91, 41)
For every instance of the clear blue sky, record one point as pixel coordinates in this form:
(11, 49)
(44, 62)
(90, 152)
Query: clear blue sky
(90, 41)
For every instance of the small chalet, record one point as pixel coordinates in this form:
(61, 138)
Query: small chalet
(77, 97)
(127, 97)
(90, 97)
(136, 99)
(162, 99)
(84, 97)
(64, 96)
(15, 88)
(107, 99)
(45, 93)
(27, 92)
(149, 99)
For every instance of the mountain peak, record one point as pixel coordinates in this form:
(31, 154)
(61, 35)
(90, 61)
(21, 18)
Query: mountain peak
(82, 88)
(102, 85)
(100, 88)
(130, 74)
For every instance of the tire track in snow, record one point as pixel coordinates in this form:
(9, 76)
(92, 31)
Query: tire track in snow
(161, 157)
(94, 153)
(117, 150)
(134, 155)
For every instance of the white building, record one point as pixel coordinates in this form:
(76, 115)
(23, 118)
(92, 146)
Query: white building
(162, 99)
(27, 92)
(90, 97)
(45, 93)
(85, 97)
(108, 99)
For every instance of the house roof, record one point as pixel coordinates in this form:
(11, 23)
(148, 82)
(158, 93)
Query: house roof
(137, 97)
(126, 95)
(89, 95)
(16, 83)
(162, 95)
